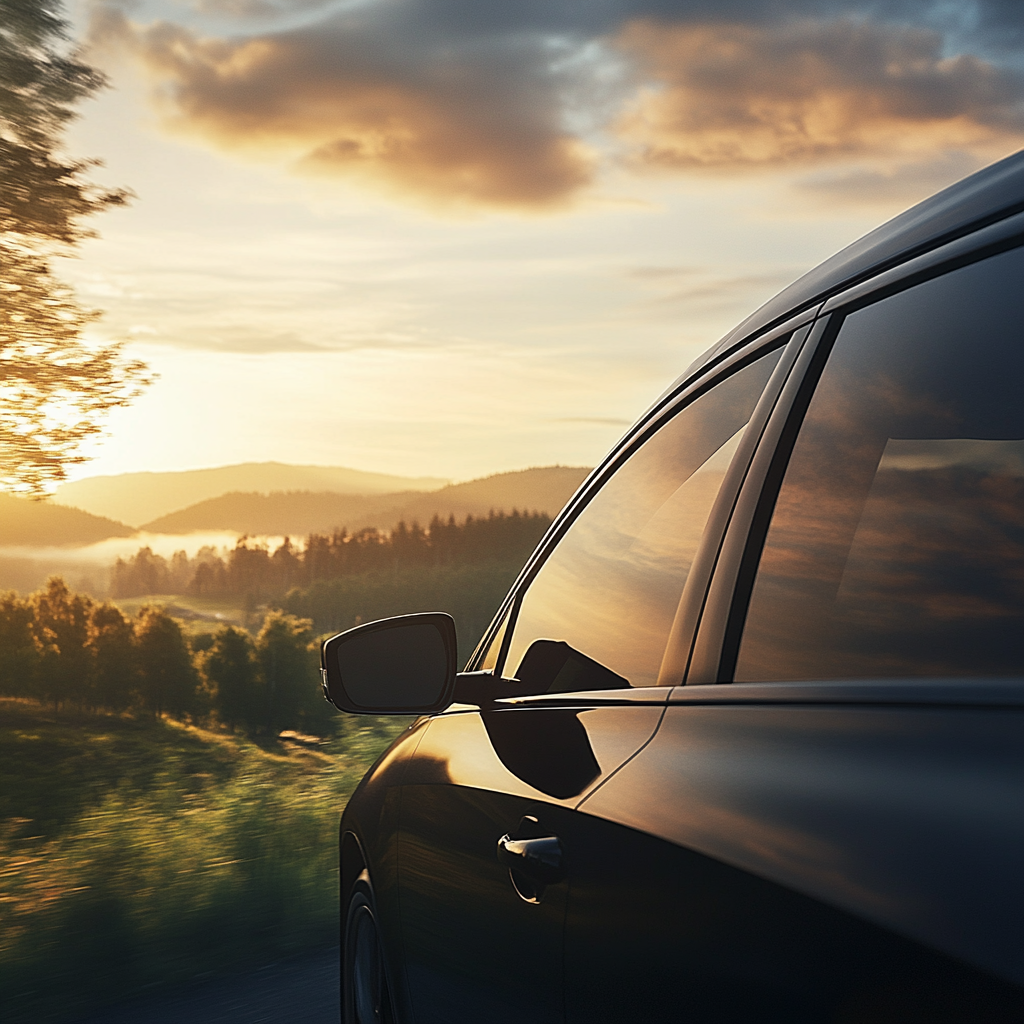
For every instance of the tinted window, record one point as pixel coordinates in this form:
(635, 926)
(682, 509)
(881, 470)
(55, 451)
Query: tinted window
(610, 589)
(490, 658)
(897, 543)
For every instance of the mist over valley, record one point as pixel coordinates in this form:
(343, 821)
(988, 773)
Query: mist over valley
(39, 539)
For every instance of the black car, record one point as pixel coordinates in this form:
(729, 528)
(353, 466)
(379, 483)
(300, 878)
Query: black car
(745, 742)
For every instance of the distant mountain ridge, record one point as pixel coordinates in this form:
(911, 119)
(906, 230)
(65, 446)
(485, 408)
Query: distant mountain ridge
(26, 523)
(298, 513)
(138, 498)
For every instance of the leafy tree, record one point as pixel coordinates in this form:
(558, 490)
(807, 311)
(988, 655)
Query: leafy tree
(283, 648)
(56, 383)
(168, 679)
(20, 650)
(230, 664)
(114, 658)
(62, 628)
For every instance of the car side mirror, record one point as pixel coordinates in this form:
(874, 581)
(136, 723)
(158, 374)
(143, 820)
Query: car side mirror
(400, 666)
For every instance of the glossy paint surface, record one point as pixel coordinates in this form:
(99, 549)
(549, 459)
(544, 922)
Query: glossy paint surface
(473, 947)
(766, 856)
(908, 817)
(659, 933)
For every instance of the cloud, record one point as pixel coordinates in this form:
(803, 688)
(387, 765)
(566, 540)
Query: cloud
(704, 287)
(896, 184)
(525, 103)
(477, 124)
(230, 338)
(735, 97)
(594, 421)
(256, 9)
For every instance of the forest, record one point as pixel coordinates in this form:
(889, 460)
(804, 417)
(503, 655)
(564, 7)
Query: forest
(67, 651)
(251, 571)
(339, 580)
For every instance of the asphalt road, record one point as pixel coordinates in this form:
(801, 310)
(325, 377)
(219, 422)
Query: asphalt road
(303, 990)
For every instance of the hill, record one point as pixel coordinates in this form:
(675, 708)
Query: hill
(139, 497)
(299, 513)
(25, 523)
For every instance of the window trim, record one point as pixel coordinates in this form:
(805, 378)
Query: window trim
(720, 630)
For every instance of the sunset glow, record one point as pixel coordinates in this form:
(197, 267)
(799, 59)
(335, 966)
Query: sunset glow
(458, 239)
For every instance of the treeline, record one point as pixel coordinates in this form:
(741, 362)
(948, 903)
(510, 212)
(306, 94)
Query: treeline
(65, 649)
(254, 572)
(470, 593)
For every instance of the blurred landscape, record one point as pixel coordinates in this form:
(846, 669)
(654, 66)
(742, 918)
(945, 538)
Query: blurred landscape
(173, 777)
(142, 852)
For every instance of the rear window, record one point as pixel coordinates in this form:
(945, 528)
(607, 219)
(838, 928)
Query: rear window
(896, 547)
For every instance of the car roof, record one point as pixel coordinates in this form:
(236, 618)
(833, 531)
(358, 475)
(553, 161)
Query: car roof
(987, 196)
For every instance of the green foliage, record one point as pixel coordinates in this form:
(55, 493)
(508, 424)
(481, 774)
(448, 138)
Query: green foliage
(20, 647)
(255, 573)
(288, 662)
(145, 852)
(271, 684)
(230, 665)
(115, 659)
(62, 626)
(63, 648)
(470, 593)
(168, 678)
(56, 384)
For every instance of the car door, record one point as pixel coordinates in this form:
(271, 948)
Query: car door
(585, 639)
(837, 834)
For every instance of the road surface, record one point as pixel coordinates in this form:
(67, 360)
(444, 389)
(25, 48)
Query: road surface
(302, 990)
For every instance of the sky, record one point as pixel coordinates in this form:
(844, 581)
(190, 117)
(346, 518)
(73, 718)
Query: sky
(458, 237)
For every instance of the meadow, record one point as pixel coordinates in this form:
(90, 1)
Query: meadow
(141, 852)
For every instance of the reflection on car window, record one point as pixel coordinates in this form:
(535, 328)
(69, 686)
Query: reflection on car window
(611, 587)
(897, 543)
(490, 658)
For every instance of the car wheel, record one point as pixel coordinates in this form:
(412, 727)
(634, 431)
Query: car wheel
(365, 998)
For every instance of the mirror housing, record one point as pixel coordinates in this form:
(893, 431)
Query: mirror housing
(404, 665)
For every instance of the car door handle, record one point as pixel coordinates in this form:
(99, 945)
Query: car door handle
(541, 860)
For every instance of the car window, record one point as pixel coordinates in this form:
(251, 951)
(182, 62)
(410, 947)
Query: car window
(490, 656)
(598, 613)
(896, 547)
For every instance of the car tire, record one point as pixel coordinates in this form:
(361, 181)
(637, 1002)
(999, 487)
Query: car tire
(365, 996)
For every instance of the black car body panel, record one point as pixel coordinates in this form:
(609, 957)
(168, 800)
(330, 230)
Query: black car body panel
(845, 846)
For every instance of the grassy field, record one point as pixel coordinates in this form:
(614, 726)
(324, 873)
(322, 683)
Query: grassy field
(140, 853)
